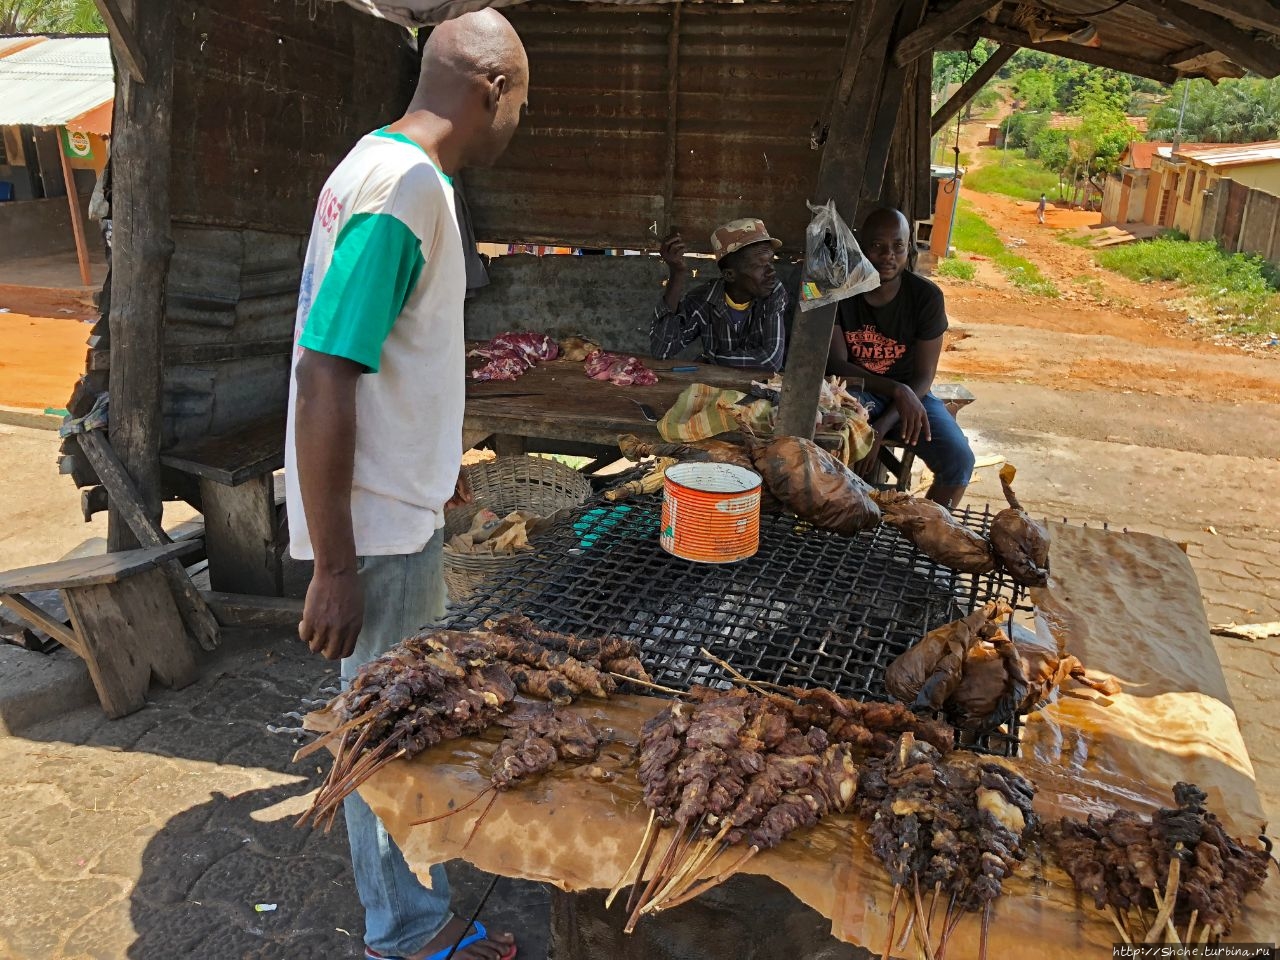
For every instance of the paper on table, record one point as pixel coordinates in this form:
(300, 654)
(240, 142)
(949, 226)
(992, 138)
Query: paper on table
(1126, 604)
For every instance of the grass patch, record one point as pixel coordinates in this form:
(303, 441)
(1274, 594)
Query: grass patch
(972, 234)
(1241, 290)
(1075, 239)
(1019, 177)
(956, 269)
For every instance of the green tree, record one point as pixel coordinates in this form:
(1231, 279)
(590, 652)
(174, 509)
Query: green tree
(1234, 111)
(50, 16)
(1036, 90)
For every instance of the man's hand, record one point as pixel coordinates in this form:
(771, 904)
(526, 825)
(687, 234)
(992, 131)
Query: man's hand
(333, 614)
(461, 491)
(672, 253)
(866, 467)
(913, 423)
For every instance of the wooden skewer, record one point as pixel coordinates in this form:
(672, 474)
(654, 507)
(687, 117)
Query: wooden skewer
(622, 880)
(636, 887)
(686, 861)
(918, 914)
(907, 928)
(694, 892)
(957, 914)
(678, 864)
(710, 852)
(326, 738)
(986, 928)
(734, 672)
(1115, 918)
(670, 691)
(658, 874)
(937, 891)
(1170, 897)
(483, 813)
(1195, 915)
(893, 921)
(450, 813)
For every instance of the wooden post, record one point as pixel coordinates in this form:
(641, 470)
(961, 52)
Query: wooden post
(840, 177)
(73, 199)
(969, 89)
(141, 249)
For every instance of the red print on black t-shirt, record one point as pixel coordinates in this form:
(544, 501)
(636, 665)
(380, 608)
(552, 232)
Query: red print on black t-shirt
(870, 348)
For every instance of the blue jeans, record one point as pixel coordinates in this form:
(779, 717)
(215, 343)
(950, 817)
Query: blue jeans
(401, 595)
(946, 452)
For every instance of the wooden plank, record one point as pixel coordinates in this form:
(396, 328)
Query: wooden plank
(1075, 51)
(123, 39)
(141, 250)
(121, 657)
(673, 116)
(37, 616)
(77, 218)
(88, 571)
(241, 610)
(124, 498)
(1222, 34)
(240, 536)
(1261, 15)
(203, 353)
(955, 103)
(806, 368)
(234, 457)
(938, 27)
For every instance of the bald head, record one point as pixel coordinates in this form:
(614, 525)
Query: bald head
(475, 45)
(885, 218)
(475, 78)
(885, 238)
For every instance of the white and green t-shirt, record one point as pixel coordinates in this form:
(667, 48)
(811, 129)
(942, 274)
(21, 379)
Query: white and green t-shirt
(383, 285)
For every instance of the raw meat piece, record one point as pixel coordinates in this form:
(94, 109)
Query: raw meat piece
(532, 346)
(508, 367)
(619, 369)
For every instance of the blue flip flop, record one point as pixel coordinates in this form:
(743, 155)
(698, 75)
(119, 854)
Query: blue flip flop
(480, 934)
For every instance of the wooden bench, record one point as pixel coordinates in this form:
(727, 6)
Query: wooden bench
(125, 624)
(955, 397)
(237, 498)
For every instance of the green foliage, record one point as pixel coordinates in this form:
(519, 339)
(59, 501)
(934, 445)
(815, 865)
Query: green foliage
(1234, 111)
(1052, 149)
(1013, 175)
(50, 16)
(1240, 288)
(972, 234)
(1022, 127)
(1068, 76)
(956, 269)
(1036, 90)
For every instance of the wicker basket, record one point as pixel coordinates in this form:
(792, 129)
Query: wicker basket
(510, 483)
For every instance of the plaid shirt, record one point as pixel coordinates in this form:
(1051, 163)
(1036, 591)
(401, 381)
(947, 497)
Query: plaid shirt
(757, 341)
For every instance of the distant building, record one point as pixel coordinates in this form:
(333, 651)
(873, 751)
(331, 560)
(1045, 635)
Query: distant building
(1203, 170)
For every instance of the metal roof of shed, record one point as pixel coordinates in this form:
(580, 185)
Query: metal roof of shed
(49, 83)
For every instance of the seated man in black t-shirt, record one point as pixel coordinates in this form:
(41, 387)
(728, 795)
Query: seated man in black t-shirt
(891, 337)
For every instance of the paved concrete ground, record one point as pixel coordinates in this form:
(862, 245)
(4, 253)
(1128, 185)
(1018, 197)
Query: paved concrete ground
(155, 835)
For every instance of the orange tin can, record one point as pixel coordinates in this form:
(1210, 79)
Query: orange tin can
(711, 512)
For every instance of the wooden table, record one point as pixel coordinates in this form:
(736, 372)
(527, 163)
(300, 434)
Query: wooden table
(558, 401)
(237, 498)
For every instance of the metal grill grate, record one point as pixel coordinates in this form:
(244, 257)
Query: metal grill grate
(811, 608)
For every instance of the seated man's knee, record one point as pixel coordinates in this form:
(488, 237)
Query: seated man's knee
(953, 459)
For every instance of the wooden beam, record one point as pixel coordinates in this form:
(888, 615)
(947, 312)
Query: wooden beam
(1261, 15)
(141, 251)
(40, 618)
(123, 499)
(805, 371)
(1074, 51)
(1240, 45)
(123, 39)
(893, 86)
(73, 200)
(955, 103)
(243, 610)
(1187, 54)
(938, 27)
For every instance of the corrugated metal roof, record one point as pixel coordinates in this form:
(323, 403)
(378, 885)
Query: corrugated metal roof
(52, 82)
(1236, 155)
(9, 45)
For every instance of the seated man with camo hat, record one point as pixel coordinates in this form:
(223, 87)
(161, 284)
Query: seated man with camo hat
(741, 317)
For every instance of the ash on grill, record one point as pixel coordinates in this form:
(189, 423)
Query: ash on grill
(811, 609)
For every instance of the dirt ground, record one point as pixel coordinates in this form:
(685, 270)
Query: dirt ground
(42, 344)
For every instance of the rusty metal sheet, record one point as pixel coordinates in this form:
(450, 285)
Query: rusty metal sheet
(268, 99)
(589, 166)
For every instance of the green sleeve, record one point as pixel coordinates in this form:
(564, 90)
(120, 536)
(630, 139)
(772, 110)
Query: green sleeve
(376, 263)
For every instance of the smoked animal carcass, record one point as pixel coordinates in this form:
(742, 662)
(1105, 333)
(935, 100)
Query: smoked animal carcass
(814, 485)
(1021, 544)
(935, 532)
(928, 673)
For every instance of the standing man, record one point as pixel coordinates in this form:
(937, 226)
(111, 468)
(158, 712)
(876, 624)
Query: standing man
(741, 318)
(891, 337)
(374, 445)
(1044, 202)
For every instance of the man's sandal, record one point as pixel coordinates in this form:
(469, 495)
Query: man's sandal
(480, 934)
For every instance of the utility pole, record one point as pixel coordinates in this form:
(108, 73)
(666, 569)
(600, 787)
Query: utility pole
(1177, 134)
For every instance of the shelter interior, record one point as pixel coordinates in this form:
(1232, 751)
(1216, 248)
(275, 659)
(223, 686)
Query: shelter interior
(643, 116)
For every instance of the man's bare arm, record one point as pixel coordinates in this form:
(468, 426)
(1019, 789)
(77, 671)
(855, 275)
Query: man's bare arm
(325, 439)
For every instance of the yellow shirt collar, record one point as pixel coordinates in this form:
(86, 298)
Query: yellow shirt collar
(736, 306)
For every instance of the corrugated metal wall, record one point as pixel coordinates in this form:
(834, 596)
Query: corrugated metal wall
(601, 150)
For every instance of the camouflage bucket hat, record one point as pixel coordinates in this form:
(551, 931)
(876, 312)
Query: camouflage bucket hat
(736, 234)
